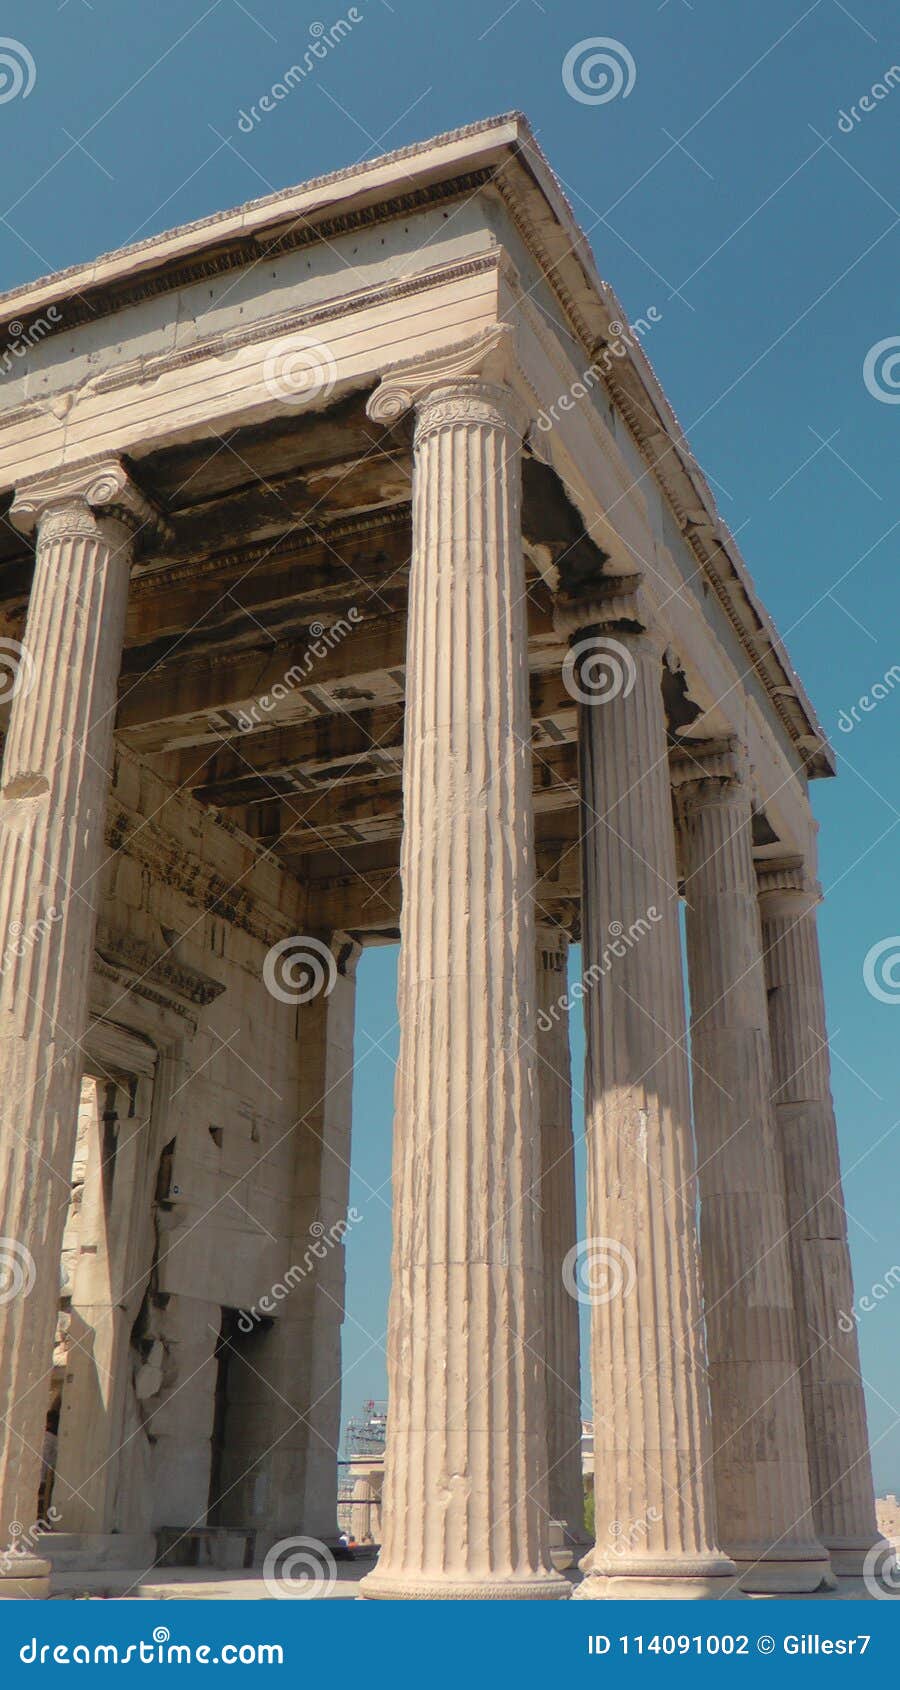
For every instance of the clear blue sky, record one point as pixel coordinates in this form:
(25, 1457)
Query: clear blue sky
(723, 190)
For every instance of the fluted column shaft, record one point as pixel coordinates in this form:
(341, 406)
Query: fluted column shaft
(655, 1523)
(559, 1232)
(55, 782)
(837, 1438)
(465, 1495)
(762, 1485)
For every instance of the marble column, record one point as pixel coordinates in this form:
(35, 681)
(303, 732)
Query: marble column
(762, 1483)
(465, 1493)
(559, 1232)
(837, 1439)
(55, 781)
(654, 1511)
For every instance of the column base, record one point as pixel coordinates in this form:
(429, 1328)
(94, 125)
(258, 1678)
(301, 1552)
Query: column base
(388, 1587)
(850, 1555)
(763, 1571)
(24, 1577)
(675, 1579)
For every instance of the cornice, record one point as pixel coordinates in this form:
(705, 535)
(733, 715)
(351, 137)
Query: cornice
(159, 969)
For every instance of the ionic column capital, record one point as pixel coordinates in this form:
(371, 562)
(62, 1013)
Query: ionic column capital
(616, 605)
(785, 887)
(71, 500)
(709, 771)
(468, 384)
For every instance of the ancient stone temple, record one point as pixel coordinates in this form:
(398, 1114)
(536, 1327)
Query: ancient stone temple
(357, 583)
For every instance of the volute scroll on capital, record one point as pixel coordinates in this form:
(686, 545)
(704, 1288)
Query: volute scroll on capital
(76, 497)
(469, 383)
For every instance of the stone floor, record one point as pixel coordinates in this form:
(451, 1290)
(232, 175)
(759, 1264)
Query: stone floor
(206, 1584)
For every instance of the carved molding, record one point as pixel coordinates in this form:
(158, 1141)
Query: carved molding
(195, 878)
(616, 604)
(161, 968)
(100, 485)
(480, 366)
(785, 888)
(701, 770)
